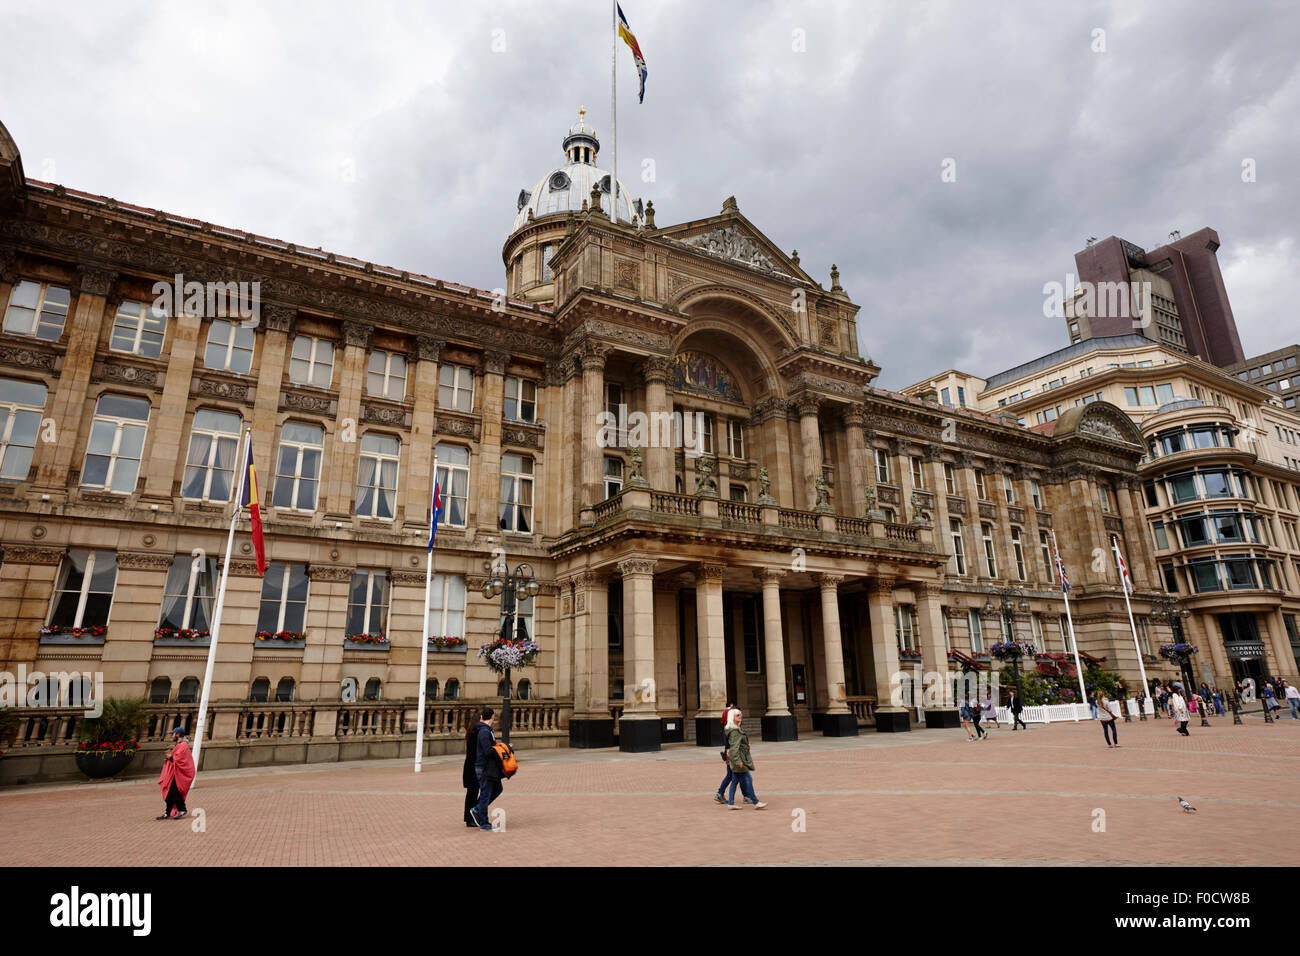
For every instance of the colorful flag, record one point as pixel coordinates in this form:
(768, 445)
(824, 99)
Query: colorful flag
(1123, 572)
(1060, 567)
(435, 510)
(626, 33)
(250, 501)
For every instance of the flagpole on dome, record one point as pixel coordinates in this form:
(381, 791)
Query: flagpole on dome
(1126, 585)
(435, 505)
(201, 724)
(1069, 620)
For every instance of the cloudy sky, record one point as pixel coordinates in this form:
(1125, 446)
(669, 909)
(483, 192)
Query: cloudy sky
(402, 133)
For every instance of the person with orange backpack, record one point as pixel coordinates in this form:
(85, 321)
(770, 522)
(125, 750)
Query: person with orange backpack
(489, 768)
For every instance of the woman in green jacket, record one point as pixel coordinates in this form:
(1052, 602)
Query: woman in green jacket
(742, 764)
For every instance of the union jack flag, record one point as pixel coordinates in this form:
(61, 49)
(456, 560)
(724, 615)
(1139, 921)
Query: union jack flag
(1060, 567)
(1123, 572)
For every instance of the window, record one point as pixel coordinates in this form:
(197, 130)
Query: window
(1009, 489)
(312, 362)
(516, 494)
(990, 562)
(210, 464)
(455, 387)
(1170, 576)
(949, 478)
(284, 598)
(260, 690)
(431, 689)
(447, 609)
(1131, 396)
(160, 690)
(453, 479)
(284, 690)
(386, 375)
(298, 467)
(37, 309)
(739, 492)
(452, 690)
(905, 622)
(188, 594)
(947, 637)
(946, 396)
(613, 476)
(1144, 636)
(521, 400)
(1036, 630)
(735, 438)
(367, 603)
(83, 591)
(1064, 623)
(1045, 546)
(547, 251)
(116, 444)
(958, 551)
(1159, 535)
(21, 407)
(706, 435)
(980, 488)
(377, 476)
(614, 406)
(1036, 493)
(230, 347)
(882, 465)
(976, 631)
(1019, 552)
(1204, 575)
(138, 329)
(374, 689)
(523, 689)
(189, 691)
(918, 477)
(961, 396)
(1104, 493)
(1164, 394)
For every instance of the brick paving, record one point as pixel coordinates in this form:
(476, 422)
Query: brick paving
(925, 797)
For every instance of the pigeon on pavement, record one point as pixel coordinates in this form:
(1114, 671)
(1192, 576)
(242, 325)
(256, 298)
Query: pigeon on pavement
(1187, 807)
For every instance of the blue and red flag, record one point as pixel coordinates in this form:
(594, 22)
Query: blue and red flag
(435, 510)
(250, 501)
(625, 32)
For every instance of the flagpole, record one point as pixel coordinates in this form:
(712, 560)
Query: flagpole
(1123, 583)
(201, 724)
(613, 111)
(1074, 643)
(424, 651)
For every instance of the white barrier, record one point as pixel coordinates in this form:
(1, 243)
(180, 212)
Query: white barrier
(1050, 713)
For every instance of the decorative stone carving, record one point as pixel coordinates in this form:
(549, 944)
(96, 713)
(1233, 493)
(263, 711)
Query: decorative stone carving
(807, 404)
(214, 388)
(29, 554)
(765, 409)
(526, 437)
(920, 509)
(278, 318)
(854, 415)
(1100, 427)
(404, 577)
(382, 415)
(728, 242)
(592, 355)
(452, 424)
(358, 334)
(143, 561)
(828, 581)
(823, 494)
(494, 362)
(712, 572)
(677, 282)
(300, 402)
(96, 281)
(656, 368)
(329, 572)
(627, 275)
(634, 567)
(888, 496)
(769, 575)
(869, 493)
(428, 348)
(244, 569)
(764, 485)
(882, 585)
(826, 329)
(27, 358)
(705, 484)
(634, 465)
(124, 374)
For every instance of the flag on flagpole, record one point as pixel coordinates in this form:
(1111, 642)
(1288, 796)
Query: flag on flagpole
(435, 510)
(1123, 571)
(1060, 567)
(250, 501)
(626, 33)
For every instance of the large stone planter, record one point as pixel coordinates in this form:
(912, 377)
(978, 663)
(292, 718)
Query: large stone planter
(99, 768)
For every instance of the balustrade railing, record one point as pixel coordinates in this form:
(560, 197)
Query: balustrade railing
(274, 721)
(859, 526)
(370, 719)
(49, 727)
(610, 506)
(864, 708)
(739, 512)
(900, 532)
(666, 502)
(802, 520)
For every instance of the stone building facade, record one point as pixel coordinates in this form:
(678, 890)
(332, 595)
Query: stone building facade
(818, 537)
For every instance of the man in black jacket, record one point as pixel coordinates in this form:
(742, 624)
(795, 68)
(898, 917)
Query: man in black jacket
(487, 767)
(1015, 706)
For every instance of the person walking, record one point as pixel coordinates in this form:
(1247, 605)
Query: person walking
(965, 719)
(1217, 694)
(177, 775)
(990, 710)
(468, 774)
(1092, 704)
(742, 763)
(729, 778)
(1109, 725)
(487, 770)
(976, 715)
(1292, 699)
(1270, 699)
(1178, 711)
(1014, 705)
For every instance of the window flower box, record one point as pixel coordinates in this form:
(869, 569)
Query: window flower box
(447, 645)
(909, 654)
(366, 642)
(181, 637)
(281, 639)
(60, 634)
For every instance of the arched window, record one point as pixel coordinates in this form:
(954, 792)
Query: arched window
(78, 693)
(348, 692)
(373, 689)
(189, 691)
(284, 689)
(431, 689)
(501, 687)
(523, 689)
(160, 690)
(452, 690)
(260, 690)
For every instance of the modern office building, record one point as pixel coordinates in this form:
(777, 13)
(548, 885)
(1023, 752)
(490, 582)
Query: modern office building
(1278, 371)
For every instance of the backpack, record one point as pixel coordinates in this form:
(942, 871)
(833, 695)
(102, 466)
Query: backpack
(509, 765)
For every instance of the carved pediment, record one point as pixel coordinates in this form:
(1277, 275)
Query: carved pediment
(729, 242)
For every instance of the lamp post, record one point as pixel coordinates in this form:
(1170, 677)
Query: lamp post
(1007, 608)
(508, 585)
(1180, 652)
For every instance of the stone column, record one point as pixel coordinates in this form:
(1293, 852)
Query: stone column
(854, 482)
(1140, 555)
(659, 409)
(68, 405)
(564, 639)
(418, 477)
(934, 654)
(668, 660)
(340, 464)
(778, 723)
(1281, 647)
(638, 728)
(712, 655)
(593, 403)
(168, 428)
(884, 650)
(276, 320)
(592, 725)
(811, 444)
(838, 720)
(771, 416)
(488, 487)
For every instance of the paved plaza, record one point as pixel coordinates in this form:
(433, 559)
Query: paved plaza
(918, 798)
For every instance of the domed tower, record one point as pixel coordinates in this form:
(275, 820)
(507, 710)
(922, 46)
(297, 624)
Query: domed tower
(547, 212)
(12, 183)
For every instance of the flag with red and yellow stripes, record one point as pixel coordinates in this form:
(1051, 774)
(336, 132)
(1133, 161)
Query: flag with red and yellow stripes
(250, 501)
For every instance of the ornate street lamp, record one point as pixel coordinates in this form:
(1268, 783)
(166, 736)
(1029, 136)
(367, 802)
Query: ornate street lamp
(1009, 650)
(1179, 652)
(511, 648)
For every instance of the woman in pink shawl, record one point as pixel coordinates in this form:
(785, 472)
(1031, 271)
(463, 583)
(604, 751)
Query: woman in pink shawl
(177, 775)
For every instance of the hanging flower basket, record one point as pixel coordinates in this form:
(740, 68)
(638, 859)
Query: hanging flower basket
(502, 654)
(1177, 652)
(1013, 650)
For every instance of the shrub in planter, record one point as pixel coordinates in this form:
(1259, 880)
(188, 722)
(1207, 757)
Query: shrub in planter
(109, 741)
